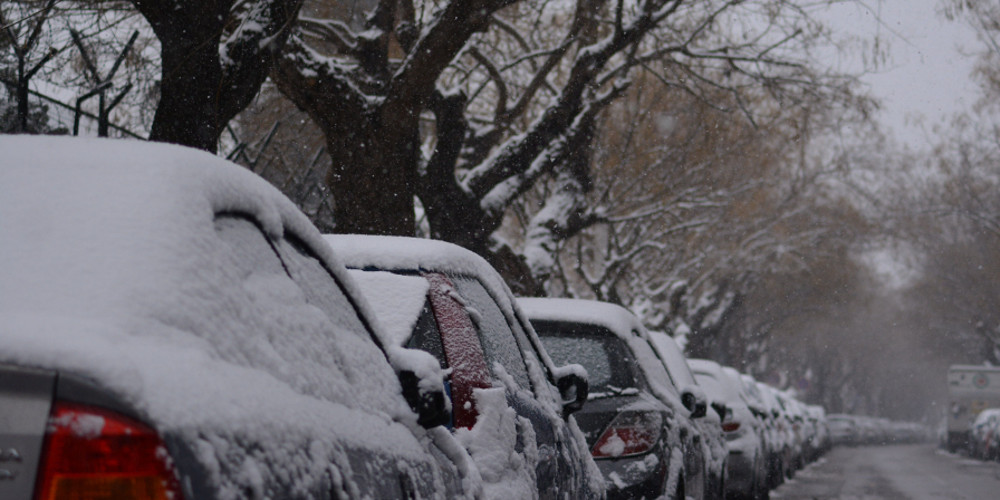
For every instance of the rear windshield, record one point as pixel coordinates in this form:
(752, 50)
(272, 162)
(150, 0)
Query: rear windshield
(610, 365)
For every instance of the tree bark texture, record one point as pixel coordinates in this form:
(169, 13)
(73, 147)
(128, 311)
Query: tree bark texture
(200, 91)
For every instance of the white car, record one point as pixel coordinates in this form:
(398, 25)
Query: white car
(636, 421)
(710, 427)
(171, 326)
(747, 465)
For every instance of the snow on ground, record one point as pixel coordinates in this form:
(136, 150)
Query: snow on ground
(895, 472)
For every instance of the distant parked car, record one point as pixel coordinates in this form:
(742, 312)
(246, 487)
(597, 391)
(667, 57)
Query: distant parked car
(747, 465)
(776, 434)
(819, 438)
(637, 425)
(710, 427)
(984, 435)
(794, 416)
(843, 429)
(781, 459)
(450, 302)
(171, 326)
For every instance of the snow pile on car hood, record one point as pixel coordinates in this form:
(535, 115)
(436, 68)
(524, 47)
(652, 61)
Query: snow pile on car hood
(110, 269)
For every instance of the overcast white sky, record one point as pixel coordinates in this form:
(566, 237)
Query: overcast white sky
(927, 78)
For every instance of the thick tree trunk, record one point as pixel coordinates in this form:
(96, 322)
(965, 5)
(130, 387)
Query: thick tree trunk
(373, 174)
(188, 112)
(198, 93)
(454, 216)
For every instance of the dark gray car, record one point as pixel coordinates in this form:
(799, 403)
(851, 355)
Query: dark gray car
(637, 425)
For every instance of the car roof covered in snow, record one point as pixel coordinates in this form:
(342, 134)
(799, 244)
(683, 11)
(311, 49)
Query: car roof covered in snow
(674, 359)
(397, 253)
(720, 385)
(112, 268)
(611, 316)
(619, 321)
(118, 204)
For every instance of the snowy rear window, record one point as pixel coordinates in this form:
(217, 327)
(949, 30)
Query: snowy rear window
(499, 344)
(609, 364)
(290, 318)
(319, 286)
(251, 252)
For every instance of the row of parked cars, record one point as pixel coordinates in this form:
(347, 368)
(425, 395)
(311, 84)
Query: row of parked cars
(861, 430)
(661, 424)
(173, 327)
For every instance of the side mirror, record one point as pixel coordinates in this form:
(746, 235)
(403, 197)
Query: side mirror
(690, 401)
(432, 407)
(573, 388)
(720, 409)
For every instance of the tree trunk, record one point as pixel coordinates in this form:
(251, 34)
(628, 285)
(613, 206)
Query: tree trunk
(189, 96)
(372, 175)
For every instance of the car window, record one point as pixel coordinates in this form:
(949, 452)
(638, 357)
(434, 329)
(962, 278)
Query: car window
(495, 333)
(609, 363)
(295, 322)
(529, 351)
(587, 352)
(250, 251)
(319, 286)
(656, 372)
(717, 387)
(677, 367)
(426, 335)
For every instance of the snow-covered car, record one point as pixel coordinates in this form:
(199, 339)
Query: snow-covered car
(794, 410)
(819, 439)
(843, 429)
(776, 430)
(709, 428)
(171, 326)
(746, 473)
(984, 435)
(636, 423)
(512, 405)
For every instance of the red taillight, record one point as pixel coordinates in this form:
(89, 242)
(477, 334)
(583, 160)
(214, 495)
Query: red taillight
(630, 433)
(730, 426)
(95, 454)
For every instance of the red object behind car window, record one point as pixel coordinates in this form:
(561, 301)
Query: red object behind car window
(462, 349)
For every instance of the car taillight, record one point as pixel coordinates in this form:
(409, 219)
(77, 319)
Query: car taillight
(630, 433)
(730, 426)
(95, 454)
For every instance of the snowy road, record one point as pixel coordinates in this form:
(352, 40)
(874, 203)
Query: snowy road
(912, 472)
